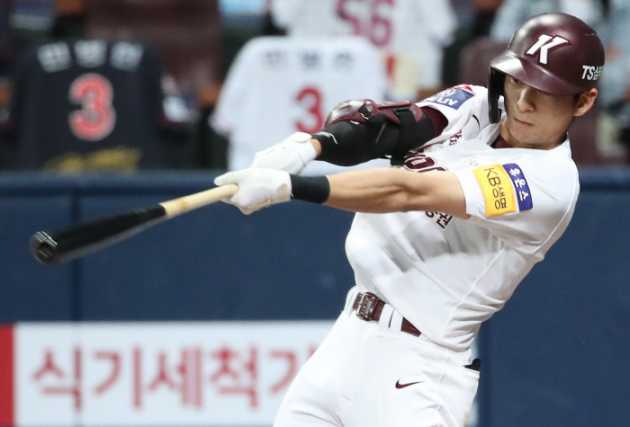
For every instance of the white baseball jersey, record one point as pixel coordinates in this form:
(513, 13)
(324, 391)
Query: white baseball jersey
(447, 275)
(279, 85)
(410, 34)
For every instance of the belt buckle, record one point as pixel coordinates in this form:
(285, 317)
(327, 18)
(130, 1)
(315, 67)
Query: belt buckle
(367, 304)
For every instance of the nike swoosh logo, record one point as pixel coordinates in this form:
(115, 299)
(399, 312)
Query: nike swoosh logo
(399, 385)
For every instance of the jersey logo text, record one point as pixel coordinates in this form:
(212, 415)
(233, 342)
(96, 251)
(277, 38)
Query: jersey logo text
(419, 162)
(440, 218)
(544, 44)
(453, 97)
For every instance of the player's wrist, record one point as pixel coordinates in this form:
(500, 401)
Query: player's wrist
(305, 149)
(317, 147)
(314, 189)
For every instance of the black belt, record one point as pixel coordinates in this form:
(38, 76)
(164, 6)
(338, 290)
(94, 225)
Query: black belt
(369, 307)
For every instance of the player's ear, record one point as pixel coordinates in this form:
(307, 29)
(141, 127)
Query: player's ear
(585, 102)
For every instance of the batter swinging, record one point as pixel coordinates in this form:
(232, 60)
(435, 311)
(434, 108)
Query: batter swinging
(483, 186)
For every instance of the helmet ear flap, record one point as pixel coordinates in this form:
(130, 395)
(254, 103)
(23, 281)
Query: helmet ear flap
(495, 89)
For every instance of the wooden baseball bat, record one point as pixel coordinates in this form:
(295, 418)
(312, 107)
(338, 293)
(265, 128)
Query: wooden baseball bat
(82, 239)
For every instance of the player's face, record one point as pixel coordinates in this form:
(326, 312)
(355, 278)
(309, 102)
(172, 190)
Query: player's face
(536, 119)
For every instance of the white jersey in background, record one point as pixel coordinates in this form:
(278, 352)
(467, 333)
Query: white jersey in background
(448, 275)
(278, 85)
(409, 34)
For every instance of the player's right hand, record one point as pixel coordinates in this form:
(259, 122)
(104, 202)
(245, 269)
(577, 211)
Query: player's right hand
(290, 155)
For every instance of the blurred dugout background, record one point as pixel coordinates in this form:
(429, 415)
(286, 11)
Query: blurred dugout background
(106, 105)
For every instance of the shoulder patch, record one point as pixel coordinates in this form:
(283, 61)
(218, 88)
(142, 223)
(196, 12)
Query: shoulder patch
(505, 189)
(453, 97)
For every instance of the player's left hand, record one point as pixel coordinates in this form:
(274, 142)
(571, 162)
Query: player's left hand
(290, 155)
(258, 188)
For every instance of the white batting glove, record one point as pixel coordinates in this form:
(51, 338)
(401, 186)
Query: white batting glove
(290, 155)
(257, 188)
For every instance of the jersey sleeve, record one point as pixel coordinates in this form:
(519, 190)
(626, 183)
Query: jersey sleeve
(460, 104)
(521, 202)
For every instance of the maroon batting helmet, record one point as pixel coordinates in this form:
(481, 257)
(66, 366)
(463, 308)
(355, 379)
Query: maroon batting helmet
(555, 53)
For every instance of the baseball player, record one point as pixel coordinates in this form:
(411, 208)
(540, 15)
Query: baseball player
(483, 184)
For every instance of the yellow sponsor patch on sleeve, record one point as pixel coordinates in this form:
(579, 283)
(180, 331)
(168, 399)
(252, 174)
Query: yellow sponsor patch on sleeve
(497, 190)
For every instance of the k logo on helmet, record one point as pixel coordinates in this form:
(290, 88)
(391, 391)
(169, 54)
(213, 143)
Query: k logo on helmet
(543, 45)
(554, 52)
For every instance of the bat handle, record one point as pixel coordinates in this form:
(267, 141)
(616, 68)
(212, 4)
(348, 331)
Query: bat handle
(188, 203)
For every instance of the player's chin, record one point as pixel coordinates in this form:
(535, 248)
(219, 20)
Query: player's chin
(521, 132)
(522, 139)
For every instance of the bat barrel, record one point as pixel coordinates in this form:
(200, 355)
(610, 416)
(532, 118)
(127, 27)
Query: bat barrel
(79, 240)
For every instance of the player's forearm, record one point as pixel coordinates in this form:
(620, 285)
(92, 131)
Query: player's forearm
(397, 190)
(376, 191)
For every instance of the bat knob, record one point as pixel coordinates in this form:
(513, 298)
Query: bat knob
(44, 247)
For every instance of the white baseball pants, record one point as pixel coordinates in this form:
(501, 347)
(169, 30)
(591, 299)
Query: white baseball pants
(370, 374)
